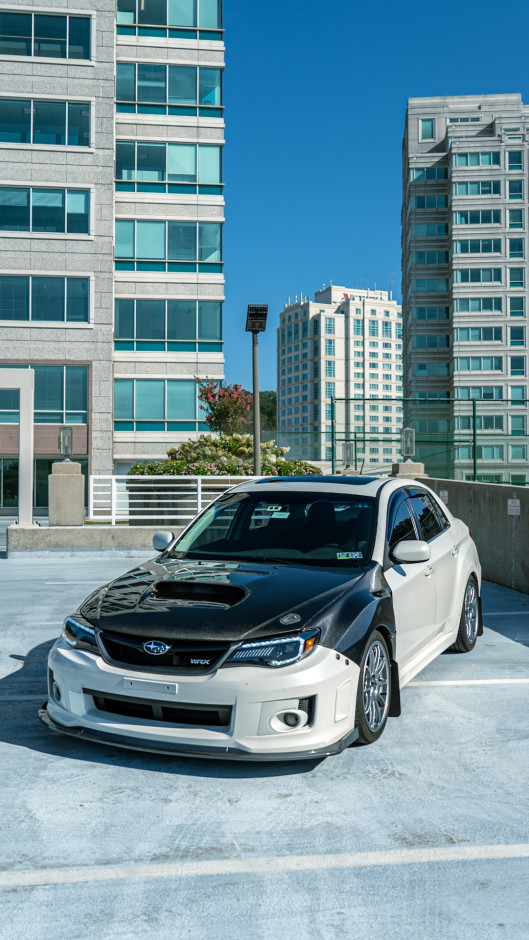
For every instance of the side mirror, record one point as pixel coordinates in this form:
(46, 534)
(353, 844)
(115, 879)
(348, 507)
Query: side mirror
(411, 551)
(162, 540)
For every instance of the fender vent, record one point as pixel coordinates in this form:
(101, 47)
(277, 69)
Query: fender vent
(199, 592)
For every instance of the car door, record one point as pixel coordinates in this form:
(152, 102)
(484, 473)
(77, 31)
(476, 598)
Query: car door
(412, 585)
(437, 531)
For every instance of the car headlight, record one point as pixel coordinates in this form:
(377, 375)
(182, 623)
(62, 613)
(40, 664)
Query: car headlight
(80, 634)
(281, 651)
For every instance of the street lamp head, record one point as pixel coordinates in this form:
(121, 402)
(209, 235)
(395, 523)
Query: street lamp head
(256, 318)
(66, 441)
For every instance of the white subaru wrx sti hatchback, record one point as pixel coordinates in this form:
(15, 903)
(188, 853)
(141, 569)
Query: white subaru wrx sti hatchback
(281, 624)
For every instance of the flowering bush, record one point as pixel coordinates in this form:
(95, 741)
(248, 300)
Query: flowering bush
(224, 456)
(227, 406)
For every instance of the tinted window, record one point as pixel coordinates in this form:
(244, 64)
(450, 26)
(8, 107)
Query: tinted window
(402, 526)
(428, 520)
(285, 526)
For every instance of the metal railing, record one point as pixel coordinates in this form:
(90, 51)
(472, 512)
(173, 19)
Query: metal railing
(153, 500)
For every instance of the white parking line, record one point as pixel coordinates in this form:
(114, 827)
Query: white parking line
(44, 623)
(472, 682)
(253, 866)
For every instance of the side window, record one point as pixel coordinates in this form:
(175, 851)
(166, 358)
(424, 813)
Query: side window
(428, 520)
(402, 526)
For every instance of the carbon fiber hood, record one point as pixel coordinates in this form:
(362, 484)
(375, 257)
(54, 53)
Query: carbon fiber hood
(172, 599)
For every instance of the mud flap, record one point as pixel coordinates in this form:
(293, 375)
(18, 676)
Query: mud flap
(480, 618)
(394, 705)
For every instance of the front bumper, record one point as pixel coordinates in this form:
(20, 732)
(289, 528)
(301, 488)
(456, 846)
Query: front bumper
(252, 694)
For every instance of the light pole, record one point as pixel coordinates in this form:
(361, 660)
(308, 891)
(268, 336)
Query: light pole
(256, 323)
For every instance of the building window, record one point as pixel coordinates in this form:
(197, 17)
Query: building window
(517, 425)
(329, 347)
(516, 306)
(517, 365)
(423, 174)
(53, 211)
(479, 364)
(373, 327)
(515, 189)
(427, 129)
(61, 395)
(329, 389)
(45, 299)
(156, 405)
(518, 452)
(168, 246)
(48, 123)
(514, 160)
(329, 368)
(477, 159)
(431, 341)
(429, 229)
(329, 326)
(478, 217)
(477, 275)
(429, 202)
(358, 328)
(429, 313)
(44, 35)
(478, 304)
(431, 369)
(477, 188)
(516, 219)
(429, 257)
(475, 246)
(516, 247)
(489, 452)
(479, 334)
(516, 277)
(173, 89)
(518, 395)
(168, 325)
(178, 15)
(175, 168)
(479, 392)
(435, 285)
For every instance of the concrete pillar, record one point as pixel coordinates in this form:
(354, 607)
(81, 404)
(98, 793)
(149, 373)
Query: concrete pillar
(66, 493)
(409, 469)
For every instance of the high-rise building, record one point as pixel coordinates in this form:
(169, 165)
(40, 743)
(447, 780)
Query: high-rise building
(344, 345)
(464, 281)
(111, 211)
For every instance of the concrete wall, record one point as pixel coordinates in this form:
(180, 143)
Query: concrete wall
(80, 538)
(502, 540)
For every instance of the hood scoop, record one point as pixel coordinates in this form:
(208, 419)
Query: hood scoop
(210, 593)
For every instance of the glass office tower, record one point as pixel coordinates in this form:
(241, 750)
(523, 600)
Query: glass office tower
(111, 211)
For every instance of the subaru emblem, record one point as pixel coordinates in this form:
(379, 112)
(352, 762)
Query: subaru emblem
(156, 647)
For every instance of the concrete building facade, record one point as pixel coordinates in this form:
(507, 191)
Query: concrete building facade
(346, 345)
(111, 211)
(464, 264)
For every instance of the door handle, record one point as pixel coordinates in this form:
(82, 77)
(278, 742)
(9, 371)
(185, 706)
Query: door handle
(429, 571)
(455, 550)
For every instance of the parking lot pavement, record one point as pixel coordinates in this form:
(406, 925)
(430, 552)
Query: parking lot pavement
(422, 835)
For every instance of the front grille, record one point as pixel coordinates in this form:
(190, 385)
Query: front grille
(197, 716)
(181, 657)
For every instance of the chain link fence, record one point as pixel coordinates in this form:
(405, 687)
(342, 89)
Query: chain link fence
(476, 439)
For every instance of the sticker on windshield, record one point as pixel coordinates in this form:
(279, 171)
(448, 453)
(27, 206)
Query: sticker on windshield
(280, 515)
(344, 556)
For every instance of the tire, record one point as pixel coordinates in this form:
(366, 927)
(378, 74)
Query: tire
(374, 690)
(469, 620)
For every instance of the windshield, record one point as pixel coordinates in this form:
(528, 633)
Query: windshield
(328, 529)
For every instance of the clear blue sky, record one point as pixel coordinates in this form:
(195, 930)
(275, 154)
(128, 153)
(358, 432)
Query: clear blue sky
(315, 94)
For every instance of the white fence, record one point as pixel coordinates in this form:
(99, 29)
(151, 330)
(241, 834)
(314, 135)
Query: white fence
(153, 500)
